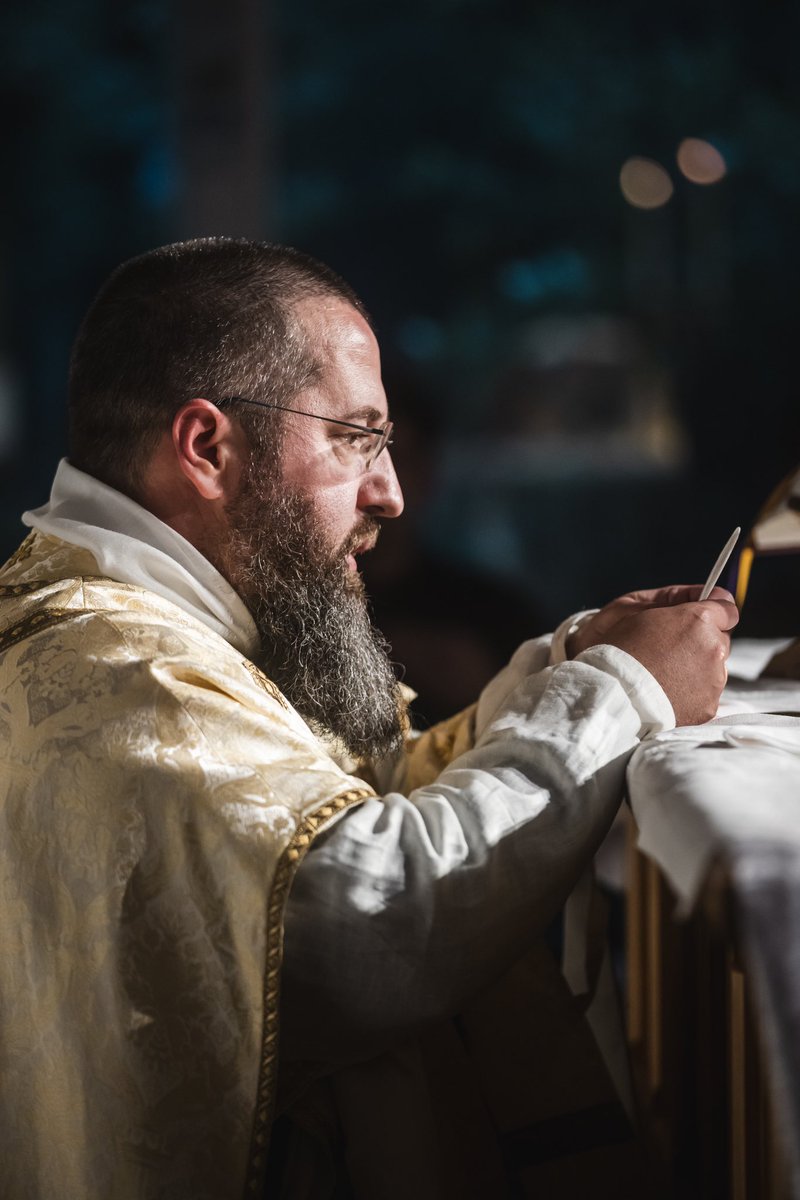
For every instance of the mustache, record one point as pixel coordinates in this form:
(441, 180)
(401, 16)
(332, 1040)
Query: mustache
(366, 531)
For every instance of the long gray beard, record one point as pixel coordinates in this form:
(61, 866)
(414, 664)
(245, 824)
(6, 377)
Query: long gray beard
(317, 641)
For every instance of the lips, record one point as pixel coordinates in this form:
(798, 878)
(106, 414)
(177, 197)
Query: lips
(365, 546)
(365, 543)
(361, 548)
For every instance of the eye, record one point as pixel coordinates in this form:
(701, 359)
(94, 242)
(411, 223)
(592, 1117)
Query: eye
(354, 444)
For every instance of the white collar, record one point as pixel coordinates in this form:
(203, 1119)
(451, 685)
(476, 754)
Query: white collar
(133, 546)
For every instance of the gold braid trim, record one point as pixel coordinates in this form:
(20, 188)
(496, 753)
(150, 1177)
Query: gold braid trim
(43, 618)
(264, 682)
(287, 865)
(33, 585)
(8, 590)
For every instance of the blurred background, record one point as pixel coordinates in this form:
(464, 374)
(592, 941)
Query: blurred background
(576, 227)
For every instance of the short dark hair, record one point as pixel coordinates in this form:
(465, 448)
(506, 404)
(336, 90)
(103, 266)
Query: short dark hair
(212, 317)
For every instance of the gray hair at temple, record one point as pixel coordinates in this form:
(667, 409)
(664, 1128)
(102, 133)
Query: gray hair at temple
(212, 317)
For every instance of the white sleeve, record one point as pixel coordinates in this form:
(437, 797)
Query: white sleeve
(410, 903)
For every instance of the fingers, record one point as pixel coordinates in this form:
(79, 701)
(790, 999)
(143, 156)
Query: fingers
(667, 597)
(720, 593)
(721, 609)
(685, 647)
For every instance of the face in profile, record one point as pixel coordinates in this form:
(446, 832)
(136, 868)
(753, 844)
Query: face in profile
(317, 641)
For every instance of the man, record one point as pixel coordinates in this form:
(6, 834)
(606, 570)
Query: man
(197, 716)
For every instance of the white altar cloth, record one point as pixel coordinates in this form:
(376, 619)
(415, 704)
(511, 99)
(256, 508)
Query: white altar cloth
(729, 792)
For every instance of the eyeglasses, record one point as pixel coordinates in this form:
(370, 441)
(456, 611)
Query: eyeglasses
(363, 446)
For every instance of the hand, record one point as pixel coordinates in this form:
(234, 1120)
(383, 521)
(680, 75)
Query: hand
(683, 643)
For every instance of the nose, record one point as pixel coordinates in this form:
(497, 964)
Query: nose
(380, 493)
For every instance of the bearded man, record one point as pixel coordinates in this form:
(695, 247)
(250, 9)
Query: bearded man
(197, 717)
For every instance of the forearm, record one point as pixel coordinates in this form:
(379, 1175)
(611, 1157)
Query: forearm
(427, 754)
(410, 904)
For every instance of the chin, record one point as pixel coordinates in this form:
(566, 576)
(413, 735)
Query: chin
(354, 583)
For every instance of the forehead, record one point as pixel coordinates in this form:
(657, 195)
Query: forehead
(347, 350)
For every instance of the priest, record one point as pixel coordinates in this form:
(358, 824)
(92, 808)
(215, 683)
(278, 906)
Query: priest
(237, 891)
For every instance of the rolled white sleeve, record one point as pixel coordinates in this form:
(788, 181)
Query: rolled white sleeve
(410, 903)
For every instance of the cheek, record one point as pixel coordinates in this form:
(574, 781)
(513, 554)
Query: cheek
(337, 512)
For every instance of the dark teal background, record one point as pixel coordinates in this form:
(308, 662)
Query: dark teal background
(458, 162)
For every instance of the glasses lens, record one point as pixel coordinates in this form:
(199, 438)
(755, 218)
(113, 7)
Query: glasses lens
(381, 443)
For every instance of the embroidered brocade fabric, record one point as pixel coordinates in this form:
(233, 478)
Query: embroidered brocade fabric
(156, 795)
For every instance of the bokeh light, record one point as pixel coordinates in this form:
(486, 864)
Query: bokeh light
(645, 183)
(700, 161)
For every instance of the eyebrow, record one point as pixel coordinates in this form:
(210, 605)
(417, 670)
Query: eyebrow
(366, 415)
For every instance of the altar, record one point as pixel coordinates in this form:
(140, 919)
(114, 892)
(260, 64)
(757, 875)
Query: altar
(713, 942)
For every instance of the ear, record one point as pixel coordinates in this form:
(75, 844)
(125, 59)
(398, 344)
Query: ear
(209, 448)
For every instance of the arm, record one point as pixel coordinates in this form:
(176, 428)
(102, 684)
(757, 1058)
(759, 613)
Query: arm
(410, 904)
(425, 755)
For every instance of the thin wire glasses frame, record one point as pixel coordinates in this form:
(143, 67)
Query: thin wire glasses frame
(382, 434)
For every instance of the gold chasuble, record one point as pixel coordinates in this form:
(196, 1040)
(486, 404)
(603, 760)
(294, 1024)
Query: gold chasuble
(156, 795)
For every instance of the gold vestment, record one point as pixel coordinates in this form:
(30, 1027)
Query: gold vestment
(156, 796)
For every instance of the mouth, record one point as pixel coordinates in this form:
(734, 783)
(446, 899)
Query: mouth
(363, 547)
